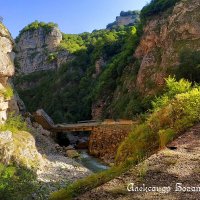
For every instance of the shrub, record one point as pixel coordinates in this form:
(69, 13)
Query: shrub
(16, 182)
(168, 119)
(14, 124)
(189, 67)
(172, 88)
(165, 136)
(7, 93)
(52, 57)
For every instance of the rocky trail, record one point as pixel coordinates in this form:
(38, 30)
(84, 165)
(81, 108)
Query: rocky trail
(177, 164)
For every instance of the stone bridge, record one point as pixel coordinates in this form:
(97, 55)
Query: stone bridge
(47, 123)
(105, 136)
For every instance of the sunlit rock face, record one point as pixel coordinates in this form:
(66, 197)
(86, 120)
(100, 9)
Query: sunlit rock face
(6, 69)
(165, 36)
(37, 50)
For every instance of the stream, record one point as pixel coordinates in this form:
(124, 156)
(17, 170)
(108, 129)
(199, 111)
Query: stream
(90, 162)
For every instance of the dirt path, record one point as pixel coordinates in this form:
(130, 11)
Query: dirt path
(179, 163)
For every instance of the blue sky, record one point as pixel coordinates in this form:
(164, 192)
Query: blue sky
(72, 16)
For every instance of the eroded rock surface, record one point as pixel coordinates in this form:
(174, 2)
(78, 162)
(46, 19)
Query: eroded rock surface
(6, 69)
(165, 36)
(37, 50)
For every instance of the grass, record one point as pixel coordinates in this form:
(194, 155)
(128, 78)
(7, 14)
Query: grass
(16, 182)
(14, 124)
(7, 93)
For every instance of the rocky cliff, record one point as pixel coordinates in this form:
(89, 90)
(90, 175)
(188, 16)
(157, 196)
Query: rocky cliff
(18, 148)
(165, 37)
(37, 50)
(125, 18)
(6, 70)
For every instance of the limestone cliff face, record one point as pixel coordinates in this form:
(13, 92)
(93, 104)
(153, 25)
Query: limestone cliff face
(6, 69)
(125, 18)
(165, 36)
(38, 50)
(19, 148)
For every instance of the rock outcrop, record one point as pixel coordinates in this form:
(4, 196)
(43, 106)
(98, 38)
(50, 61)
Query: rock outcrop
(19, 148)
(6, 70)
(37, 50)
(125, 18)
(165, 36)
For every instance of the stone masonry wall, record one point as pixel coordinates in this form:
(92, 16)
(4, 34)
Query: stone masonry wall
(105, 140)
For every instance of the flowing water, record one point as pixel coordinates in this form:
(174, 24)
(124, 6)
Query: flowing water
(92, 163)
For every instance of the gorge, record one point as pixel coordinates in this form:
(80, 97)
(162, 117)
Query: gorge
(128, 95)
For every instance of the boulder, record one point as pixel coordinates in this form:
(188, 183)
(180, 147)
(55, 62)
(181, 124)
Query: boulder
(5, 137)
(82, 144)
(72, 153)
(70, 147)
(42, 118)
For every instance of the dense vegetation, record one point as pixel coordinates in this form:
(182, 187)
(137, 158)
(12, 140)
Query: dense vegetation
(155, 7)
(189, 67)
(67, 94)
(127, 13)
(173, 112)
(16, 182)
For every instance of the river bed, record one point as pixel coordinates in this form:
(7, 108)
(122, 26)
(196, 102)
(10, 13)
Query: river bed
(90, 162)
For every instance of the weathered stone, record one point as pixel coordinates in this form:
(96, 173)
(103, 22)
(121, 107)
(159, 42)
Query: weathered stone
(3, 106)
(82, 144)
(125, 19)
(6, 68)
(3, 116)
(35, 47)
(5, 137)
(105, 140)
(165, 36)
(70, 147)
(72, 154)
(42, 118)
(19, 148)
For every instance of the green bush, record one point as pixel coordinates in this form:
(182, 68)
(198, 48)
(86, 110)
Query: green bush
(14, 123)
(172, 89)
(16, 182)
(52, 57)
(189, 67)
(174, 112)
(7, 93)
